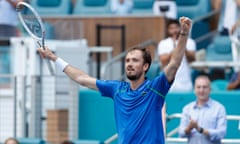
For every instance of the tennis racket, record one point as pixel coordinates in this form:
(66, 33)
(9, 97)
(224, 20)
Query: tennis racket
(33, 24)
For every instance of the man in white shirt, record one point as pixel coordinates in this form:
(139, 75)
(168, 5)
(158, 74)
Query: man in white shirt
(121, 7)
(230, 14)
(8, 18)
(183, 80)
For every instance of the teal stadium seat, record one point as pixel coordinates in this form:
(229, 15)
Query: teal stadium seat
(96, 116)
(5, 63)
(195, 9)
(92, 7)
(192, 8)
(50, 31)
(220, 49)
(52, 7)
(31, 141)
(143, 7)
(154, 70)
(219, 85)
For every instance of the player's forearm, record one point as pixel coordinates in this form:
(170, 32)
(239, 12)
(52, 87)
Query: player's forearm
(75, 74)
(80, 77)
(176, 58)
(178, 52)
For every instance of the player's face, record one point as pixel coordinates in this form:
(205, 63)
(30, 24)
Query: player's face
(134, 65)
(173, 30)
(202, 89)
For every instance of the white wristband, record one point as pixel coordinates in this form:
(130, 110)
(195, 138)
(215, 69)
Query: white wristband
(61, 64)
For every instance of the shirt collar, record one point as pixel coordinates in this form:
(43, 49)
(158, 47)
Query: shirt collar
(207, 104)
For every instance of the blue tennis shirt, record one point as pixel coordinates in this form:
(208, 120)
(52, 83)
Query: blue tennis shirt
(137, 112)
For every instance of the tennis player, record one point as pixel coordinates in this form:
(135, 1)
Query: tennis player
(137, 103)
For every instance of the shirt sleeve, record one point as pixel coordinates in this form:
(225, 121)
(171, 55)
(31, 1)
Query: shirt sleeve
(161, 84)
(219, 132)
(107, 87)
(191, 45)
(184, 121)
(233, 77)
(163, 47)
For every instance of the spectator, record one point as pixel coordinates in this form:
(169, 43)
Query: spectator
(11, 141)
(183, 80)
(167, 8)
(234, 83)
(204, 120)
(137, 102)
(8, 18)
(216, 20)
(122, 7)
(231, 14)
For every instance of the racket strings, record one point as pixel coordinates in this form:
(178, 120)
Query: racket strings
(31, 21)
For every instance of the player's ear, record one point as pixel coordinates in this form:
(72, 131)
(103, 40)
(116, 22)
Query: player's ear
(146, 67)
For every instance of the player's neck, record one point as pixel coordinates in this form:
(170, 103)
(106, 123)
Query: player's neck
(136, 83)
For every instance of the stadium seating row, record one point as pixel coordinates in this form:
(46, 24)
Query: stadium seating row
(191, 8)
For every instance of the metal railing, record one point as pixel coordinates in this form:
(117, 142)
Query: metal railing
(25, 100)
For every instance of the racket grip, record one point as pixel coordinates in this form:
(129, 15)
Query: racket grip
(50, 68)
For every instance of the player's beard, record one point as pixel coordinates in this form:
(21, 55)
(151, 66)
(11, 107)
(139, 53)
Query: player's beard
(134, 77)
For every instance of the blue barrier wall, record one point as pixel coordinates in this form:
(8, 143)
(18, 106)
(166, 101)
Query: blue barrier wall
(96, 116)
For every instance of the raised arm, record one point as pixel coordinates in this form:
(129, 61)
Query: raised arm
(75, 74)
(14, 3)
(178, 53)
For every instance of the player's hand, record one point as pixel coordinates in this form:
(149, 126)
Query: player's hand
(185, 24)
(47, 53)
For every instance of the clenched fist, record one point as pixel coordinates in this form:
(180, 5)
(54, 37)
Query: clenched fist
(185, 24)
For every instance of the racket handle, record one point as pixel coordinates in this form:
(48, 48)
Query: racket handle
(50, 68)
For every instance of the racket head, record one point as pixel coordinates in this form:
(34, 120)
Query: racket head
(31, 21)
